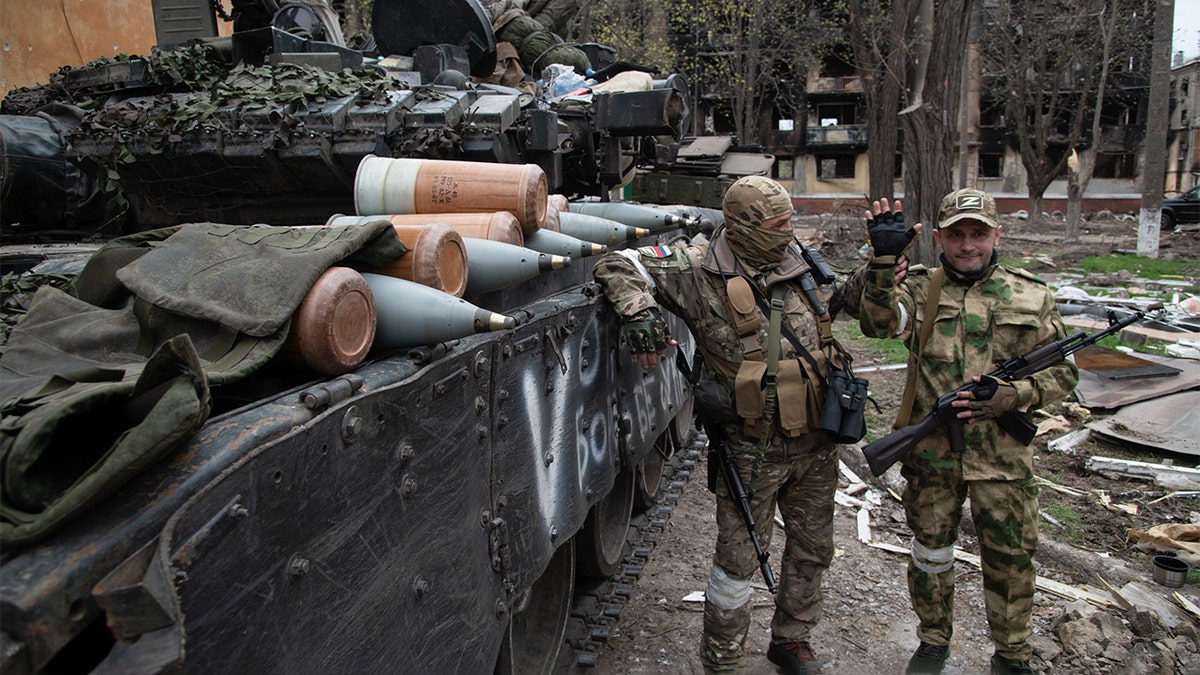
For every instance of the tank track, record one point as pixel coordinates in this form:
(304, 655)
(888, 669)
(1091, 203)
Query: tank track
(598, 604)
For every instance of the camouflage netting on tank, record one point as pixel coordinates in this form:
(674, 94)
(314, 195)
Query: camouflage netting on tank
(246, 95)
(195, 67)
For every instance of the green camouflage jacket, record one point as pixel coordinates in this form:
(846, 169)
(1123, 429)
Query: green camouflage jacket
(978, 324)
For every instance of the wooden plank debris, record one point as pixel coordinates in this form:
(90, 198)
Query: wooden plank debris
(1189, 606)
(1160, 473)
(1047, 483)
(1095, 596)
(1162, 335)
(1069, 442)
(1176, 493)
(1142, 597)
(864, 526)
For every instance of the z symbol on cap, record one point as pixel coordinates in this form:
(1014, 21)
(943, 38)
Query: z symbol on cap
(969, 202)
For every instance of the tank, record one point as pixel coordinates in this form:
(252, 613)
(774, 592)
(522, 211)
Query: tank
(433, 509)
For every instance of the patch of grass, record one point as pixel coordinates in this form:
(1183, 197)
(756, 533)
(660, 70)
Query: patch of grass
(1022, 262)
(1068, 519)
(891, 350)
(1150, 346)
(1193, 576)
(1147, 268)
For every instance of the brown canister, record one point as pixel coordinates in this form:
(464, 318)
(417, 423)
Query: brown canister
(550, 222)
(499, 226)
(436, 258)
(334, 327)
(387, 185)
(559, 202)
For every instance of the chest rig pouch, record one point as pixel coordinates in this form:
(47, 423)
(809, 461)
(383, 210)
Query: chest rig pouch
(768, 390)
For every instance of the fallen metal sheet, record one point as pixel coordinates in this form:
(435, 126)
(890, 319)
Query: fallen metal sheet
(1095, 391)
(1115, 365)
(1170, 423)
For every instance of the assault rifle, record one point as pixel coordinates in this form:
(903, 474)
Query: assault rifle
(885, 452)
(718, 447)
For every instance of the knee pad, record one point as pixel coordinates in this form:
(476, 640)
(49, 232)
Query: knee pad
(932, 560)
(726, 592)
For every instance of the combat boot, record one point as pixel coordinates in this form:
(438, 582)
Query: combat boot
(794, 658)
(928, 659)
(1003, 666)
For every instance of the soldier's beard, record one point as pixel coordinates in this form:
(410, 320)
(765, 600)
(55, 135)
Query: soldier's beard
(761, 249)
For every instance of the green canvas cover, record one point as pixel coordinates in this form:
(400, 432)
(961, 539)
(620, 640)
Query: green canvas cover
(99, 382)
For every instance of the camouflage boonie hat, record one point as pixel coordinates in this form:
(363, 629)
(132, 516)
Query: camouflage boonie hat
(754, 199)
(967, 204)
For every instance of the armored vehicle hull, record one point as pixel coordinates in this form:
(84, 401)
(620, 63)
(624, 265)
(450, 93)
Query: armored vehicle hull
(428, 512)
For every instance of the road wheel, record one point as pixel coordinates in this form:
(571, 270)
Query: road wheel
(649, 473)
(601, 542)
(1166, 221)
(539, 622)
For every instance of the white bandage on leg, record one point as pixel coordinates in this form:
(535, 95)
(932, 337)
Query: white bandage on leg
(932, 560)
(725, 592)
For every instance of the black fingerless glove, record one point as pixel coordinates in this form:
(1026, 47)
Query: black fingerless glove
(993, 398)
(888, 236)
(647, 332)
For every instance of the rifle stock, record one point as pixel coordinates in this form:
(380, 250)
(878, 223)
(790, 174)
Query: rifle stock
(885, 452)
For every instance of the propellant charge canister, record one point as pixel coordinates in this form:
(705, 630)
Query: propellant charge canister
(497, 226)
(334, 327)
(386, 185)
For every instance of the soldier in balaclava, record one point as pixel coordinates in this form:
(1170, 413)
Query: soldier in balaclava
(761, 388)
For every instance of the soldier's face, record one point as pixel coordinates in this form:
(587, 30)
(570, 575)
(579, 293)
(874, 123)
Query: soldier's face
(968, 244)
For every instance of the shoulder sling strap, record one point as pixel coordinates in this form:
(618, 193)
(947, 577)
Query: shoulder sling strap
(910, 386)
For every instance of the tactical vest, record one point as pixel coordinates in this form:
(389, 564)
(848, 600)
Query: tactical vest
(788, 393)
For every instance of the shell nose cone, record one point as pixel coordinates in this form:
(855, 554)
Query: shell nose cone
(549, 261)
(486, 321)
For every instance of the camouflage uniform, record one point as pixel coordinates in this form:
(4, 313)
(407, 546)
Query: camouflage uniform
(799, 474)
(978, 323)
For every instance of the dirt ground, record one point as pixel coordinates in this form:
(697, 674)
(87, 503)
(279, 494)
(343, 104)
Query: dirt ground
(868, 626)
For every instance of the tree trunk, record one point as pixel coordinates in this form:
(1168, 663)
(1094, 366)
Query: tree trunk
(1154, 175)
(929, 131)
(879, 56)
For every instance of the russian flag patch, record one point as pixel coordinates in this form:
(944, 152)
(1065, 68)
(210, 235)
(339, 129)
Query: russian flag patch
(655, 251)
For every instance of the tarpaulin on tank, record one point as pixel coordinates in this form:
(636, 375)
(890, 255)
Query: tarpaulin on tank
(99, 382)
(38, 186)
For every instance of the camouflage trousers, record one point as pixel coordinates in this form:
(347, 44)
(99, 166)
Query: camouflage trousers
(800, 476)
(1005, 515)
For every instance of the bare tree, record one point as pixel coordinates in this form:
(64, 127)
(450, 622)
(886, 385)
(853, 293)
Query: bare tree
(1043, 62)
(929, 129)
(877, 30)
(1083, 163)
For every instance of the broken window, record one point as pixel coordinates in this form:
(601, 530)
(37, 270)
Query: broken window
(1116, 165)
(991, 165)
(830, 167)
(833, 114)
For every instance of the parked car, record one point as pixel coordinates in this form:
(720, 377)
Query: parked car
(1184, 208)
